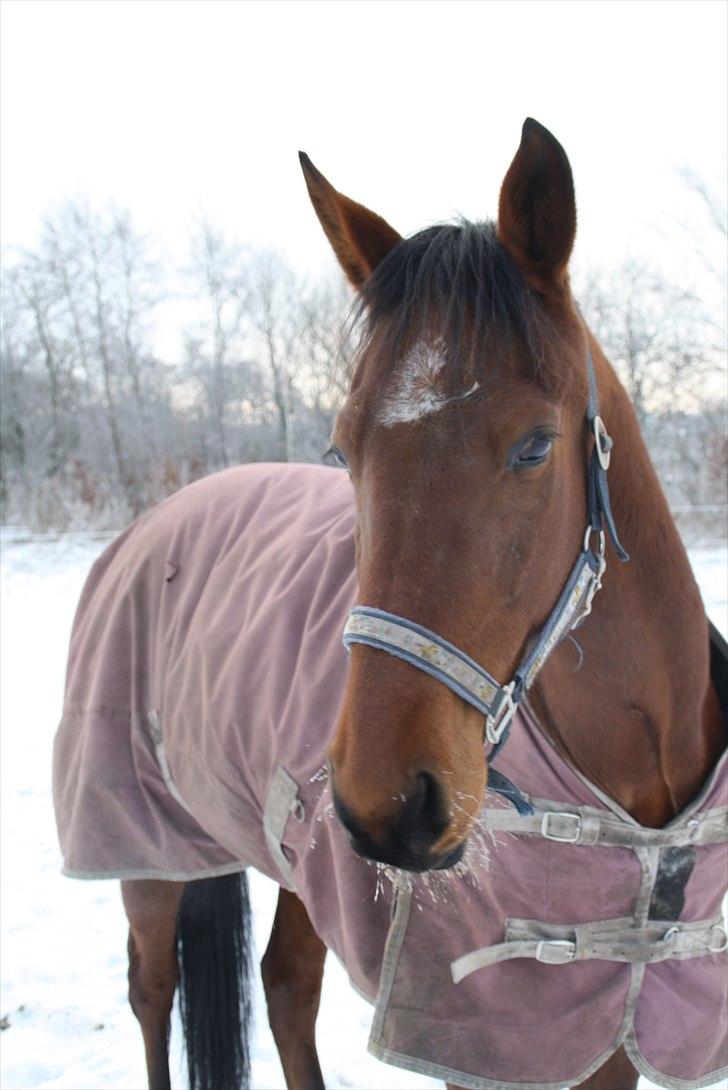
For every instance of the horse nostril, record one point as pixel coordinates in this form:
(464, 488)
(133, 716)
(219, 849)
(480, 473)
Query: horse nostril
(425, 817)
(347, 818)
(407, 842)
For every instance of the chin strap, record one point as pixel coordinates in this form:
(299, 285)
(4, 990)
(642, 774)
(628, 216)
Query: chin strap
(440, 659)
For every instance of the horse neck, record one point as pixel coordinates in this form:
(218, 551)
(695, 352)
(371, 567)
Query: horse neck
(640, 717)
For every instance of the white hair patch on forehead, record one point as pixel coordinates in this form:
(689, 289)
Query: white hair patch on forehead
(415, 391)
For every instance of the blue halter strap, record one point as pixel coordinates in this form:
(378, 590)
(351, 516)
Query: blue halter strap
(448, 664)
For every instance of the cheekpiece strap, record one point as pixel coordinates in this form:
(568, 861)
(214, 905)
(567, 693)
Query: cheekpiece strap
(599, 507)
(573, 606)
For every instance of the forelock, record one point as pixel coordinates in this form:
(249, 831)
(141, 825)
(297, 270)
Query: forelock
(455, 285)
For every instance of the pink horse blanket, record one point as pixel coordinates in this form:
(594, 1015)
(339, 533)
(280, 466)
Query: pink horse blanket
(206, 671)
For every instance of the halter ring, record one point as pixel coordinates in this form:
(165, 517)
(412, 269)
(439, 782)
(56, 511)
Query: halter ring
(496, 724)
(602, 541)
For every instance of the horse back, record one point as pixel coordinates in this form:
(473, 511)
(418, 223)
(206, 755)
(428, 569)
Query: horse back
(204, 654)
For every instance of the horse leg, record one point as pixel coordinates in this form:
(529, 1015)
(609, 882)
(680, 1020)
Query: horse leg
(617, 1073)
(292, 969)
(151, 908)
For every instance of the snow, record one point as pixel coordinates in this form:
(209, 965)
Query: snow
(64, 942)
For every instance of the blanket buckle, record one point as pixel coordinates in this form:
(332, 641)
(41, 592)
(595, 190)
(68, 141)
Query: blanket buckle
(555, 951)
(570, 835)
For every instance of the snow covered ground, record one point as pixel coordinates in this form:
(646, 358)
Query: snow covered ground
(63, 942)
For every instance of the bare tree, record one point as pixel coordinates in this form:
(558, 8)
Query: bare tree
(271, 315)
(662, 340)
(13, 437)
(325, 342)
(710, 234)
(654, 333)
(84, 296)
(94, 427)
(215, 342)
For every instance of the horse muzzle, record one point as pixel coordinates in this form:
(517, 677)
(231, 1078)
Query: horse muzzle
(410, 837)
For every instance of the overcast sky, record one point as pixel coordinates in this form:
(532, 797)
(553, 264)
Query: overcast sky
(170, 107)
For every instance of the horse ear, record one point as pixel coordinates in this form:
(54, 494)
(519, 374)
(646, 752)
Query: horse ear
(360, 238)
(537, 209)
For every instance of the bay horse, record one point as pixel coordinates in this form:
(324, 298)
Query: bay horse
(475, 440)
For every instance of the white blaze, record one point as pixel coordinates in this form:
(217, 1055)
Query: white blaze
(415, 390)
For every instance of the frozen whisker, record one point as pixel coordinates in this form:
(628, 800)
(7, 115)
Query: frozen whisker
(461, 809)
(465, 394)
(492, 834)
(388, 876)
(465, 795)
(476, 858)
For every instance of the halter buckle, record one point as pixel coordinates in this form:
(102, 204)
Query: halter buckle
(496, 724)
(603, 441)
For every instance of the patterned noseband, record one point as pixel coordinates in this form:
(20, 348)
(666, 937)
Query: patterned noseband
(435, 656)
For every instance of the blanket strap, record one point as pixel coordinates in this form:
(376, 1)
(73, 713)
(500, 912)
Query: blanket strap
(605, 940)
(586, 826)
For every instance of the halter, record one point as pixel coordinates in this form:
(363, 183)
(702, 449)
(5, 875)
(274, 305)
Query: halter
(442, 660)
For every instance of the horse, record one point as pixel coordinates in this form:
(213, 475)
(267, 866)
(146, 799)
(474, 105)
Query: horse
(469, 522)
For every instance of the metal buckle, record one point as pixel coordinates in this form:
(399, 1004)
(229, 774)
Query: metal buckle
(595, 583)
(558, 948)
(562, 838)
(669, 937)
(603, 442)
(496, 724)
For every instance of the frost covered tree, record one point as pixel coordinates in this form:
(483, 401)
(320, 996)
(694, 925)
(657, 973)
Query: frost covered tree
(95, 426)
(662, 340)
(80, 305)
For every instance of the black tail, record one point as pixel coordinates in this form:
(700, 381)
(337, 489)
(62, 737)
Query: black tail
(214, 954)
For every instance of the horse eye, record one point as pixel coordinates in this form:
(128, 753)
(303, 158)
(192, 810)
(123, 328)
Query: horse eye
(533, 451)
(338, 457)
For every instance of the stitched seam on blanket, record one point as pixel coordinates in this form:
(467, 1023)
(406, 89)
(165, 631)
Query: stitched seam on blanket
(480, 1082)
(133, 873)
(645, 1068)
(72, 711)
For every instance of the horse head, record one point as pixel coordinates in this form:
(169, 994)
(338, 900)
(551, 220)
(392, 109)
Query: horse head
(464, 435)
